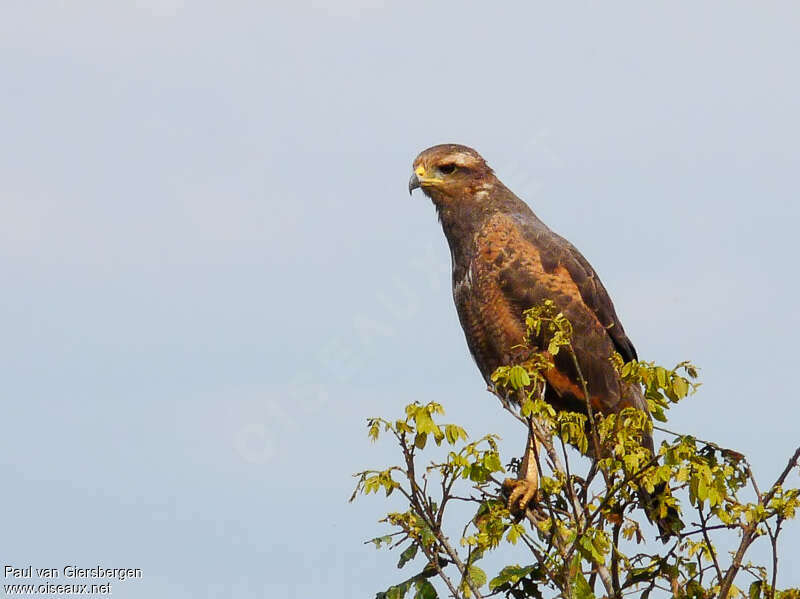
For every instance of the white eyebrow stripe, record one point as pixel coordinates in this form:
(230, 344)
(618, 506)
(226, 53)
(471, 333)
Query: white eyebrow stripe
(461, 159)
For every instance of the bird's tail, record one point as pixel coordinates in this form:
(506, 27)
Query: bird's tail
(670, 524)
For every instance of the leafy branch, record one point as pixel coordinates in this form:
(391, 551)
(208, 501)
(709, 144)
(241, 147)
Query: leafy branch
(587, 532)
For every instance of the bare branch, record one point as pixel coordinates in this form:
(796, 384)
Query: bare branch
(750, 531)
(704, 528)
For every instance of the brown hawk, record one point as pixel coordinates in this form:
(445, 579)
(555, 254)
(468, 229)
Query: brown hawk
(505, 260)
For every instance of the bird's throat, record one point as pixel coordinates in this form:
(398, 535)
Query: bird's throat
(460, 223)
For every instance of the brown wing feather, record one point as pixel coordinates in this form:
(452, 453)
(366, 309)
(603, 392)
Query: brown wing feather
(513, 270)
(596, 297)
(561, 253)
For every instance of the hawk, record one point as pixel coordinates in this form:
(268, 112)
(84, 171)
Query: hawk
(505, 260)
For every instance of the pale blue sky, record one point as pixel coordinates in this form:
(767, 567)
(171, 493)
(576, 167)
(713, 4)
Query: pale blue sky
(213, 272)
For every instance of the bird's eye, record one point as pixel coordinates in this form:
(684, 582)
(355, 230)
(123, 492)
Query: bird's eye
(447, 169)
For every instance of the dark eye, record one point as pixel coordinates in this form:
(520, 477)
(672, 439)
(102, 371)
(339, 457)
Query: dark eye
(447, 169)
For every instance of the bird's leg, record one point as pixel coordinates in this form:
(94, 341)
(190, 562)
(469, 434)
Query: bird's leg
(522, 490)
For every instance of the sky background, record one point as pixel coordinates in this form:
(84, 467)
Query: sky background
(213, 273)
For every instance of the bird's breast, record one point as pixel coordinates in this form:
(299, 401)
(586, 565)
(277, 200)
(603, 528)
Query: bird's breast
(492, 325)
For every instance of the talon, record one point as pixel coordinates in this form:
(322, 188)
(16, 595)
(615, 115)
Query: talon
(520, 494)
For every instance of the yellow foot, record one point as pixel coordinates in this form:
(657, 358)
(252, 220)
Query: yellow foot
(520, 493)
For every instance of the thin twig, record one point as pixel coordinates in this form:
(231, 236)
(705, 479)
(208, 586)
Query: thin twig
(749, 533)
(713, 553)
(423, 509)
(589, 410)
(615, 560)
(773, 539)
(700, 530)
(442, 575)
(779, 482)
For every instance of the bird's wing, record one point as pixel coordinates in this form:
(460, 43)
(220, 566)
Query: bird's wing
(531, 264)
(556, 254)
(596, 297)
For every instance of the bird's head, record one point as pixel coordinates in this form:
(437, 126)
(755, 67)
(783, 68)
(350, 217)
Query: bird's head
(449, 172)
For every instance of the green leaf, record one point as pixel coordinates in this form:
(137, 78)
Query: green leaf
(424, 422)
(627, 369)
(474, 575)
(680, 387)
(592, 549)
(491, 462)
(661, 377)
(581, 588)
(636, 575)
(702, 490)
(509, 574)
(754, 592)
(656, 410)
(453, 433)
(374, 431)
(694, 590)
(515, 531)
(477, 576)
(425, 590)
(381, 540)
(408, 554)
(519, 377)
(397, 591)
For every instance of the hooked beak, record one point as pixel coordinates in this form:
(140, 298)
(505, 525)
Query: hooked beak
(413, 183)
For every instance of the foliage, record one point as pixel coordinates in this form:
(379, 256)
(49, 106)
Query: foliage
(584, 536)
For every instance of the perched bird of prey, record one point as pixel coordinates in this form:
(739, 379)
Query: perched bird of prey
(505, 260)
